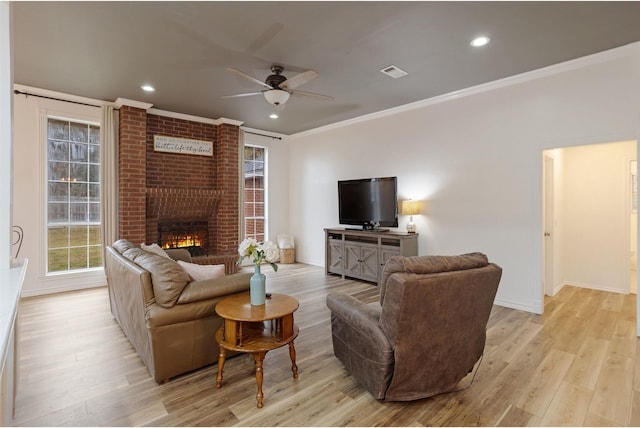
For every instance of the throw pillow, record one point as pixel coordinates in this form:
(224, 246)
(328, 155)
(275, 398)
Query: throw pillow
(155, 249)
(201, 272)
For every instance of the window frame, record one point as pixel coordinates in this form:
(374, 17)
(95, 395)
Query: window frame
(71, 118)
(265, 202)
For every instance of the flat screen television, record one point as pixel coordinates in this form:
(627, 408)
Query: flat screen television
(369, 203)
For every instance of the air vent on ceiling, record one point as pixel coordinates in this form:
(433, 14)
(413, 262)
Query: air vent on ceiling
(394, 71)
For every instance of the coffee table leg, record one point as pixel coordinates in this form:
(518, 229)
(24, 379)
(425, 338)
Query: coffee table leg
(292, 354)
(259, 357)
(221, 358)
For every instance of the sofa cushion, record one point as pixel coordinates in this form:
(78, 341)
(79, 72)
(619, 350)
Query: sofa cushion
(122, 245)
(168, 278)
(202, 272)
(155, 249)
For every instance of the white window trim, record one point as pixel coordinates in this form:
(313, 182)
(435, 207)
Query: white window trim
(60, 281)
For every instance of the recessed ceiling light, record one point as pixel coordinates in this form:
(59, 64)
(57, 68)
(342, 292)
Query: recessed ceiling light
(148, 88)
(480, 41)
(273, 115)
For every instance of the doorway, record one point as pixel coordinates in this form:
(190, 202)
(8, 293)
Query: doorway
(587, 217)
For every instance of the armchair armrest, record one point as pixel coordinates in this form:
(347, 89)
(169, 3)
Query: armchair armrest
(360, 343)
(359, 316)
(351, 309)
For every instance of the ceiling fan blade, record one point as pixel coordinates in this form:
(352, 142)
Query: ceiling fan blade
(247, 76)
(313, 95)
(246, 94)
(298, 80)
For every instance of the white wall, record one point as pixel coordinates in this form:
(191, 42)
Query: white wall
(6, 79)
(476, 160)
(595, 215)
(29, 198)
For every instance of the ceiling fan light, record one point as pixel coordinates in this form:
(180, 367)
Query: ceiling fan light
(276, 96)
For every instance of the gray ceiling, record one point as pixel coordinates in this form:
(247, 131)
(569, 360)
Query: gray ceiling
(106, 50)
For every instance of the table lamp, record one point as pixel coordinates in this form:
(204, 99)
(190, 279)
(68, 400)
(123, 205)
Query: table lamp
(410, 208)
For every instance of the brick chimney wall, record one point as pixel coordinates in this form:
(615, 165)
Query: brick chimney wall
(174, 170)
(228, 176)
(132, 173)
(142, 168)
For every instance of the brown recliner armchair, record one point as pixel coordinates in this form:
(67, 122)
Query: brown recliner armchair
(428, 331)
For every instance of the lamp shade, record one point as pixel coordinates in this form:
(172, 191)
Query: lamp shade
(276, 96)
(410, 207)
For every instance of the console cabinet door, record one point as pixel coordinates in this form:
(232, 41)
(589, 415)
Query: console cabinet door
(335, 255)
(352, 260)
(361, 261)
(369, 264)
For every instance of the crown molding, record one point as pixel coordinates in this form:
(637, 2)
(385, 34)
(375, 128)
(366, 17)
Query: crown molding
(230, 121)
(182, 116)
(192, 118)
(132, 103)
(574, 64)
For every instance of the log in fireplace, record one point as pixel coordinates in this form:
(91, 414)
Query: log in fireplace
(192, 235)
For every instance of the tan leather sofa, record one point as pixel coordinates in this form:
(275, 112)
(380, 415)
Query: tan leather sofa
(169, 320)
(428, 331)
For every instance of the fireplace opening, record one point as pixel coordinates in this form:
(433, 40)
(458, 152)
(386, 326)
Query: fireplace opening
(191, 235)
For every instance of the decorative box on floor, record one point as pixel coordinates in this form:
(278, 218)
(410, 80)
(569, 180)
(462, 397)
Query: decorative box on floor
(287, 248)
(287, 255)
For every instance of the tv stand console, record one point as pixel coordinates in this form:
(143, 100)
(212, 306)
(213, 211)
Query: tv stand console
(362, 254)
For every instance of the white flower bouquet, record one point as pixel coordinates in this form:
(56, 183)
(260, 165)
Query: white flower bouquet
(259, 252)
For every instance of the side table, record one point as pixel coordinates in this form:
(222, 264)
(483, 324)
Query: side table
(256, 330)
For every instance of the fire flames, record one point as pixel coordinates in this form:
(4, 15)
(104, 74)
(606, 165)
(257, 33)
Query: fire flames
(182, 241)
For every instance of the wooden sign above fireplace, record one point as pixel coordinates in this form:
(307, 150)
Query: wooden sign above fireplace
(163, 143)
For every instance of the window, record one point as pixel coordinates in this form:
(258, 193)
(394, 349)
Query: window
(254, 192)
(73, 196)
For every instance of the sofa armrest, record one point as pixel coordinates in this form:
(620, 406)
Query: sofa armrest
(358, 315)
(211, 288)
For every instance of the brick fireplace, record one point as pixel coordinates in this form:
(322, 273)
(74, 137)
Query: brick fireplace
(159, 190)
(192, 235)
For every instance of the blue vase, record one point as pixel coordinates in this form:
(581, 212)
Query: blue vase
(257, 287)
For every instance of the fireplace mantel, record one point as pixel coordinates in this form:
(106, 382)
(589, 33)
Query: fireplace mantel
(180, 204)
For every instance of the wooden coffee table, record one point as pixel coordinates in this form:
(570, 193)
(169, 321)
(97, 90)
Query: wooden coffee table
(256, 330)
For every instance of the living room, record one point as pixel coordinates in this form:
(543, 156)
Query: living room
(474, 158)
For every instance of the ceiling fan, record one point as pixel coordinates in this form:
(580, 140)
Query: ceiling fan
(278, 87)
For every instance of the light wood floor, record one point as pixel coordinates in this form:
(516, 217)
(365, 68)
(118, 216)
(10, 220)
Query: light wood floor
(575, 365)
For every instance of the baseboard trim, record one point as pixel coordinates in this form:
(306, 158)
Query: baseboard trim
(594, 287)
(61, 289)
(515, 305)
